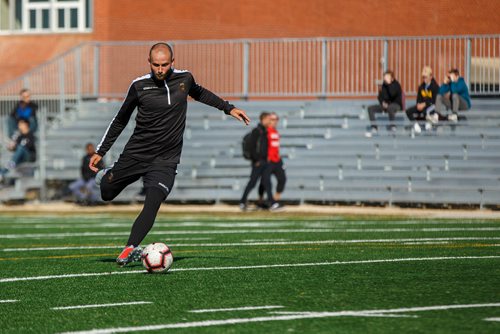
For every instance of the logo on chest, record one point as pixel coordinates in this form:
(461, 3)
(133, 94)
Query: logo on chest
(149, 88)
(182, 87)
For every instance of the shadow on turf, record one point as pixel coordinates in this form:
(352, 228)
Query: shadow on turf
(176, 259)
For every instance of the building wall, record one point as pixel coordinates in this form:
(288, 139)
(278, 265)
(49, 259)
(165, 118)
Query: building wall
(222, 19)
(216, 19)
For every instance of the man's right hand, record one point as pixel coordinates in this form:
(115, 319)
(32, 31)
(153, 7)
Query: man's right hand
(94, 161)
(420, 106)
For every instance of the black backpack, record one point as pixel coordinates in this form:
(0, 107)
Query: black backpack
(247, 146)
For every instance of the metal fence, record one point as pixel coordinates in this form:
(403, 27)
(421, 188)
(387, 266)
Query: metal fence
(270, 68)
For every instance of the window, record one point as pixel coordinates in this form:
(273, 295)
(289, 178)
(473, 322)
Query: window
(45, 16)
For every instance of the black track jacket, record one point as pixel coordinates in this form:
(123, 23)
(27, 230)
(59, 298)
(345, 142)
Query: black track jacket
(161, 116)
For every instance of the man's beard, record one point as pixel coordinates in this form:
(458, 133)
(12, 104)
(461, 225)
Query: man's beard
(161, 76)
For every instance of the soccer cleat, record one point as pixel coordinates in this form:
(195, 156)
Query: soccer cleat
(100, 174)
(129, 254)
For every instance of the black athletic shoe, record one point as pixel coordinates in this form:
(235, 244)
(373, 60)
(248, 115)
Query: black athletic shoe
(276, 207)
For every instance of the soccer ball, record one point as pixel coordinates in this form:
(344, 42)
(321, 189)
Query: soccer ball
(157, 257)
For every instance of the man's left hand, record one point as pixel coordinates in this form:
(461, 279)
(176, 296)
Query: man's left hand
(240, 115)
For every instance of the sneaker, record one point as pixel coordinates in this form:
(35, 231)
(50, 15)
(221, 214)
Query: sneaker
(276, 207)
(433, 118)
(371, 133)
(129, 254)
(392, 129)
(262, 205)
(243, 207)
(428, 126)
(417, 128)
(453, 118)
(100, 174)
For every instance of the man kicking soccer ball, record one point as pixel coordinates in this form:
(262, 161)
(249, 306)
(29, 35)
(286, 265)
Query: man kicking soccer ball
(154, 149)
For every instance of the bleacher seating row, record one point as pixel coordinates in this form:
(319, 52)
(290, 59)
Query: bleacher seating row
(327, 156)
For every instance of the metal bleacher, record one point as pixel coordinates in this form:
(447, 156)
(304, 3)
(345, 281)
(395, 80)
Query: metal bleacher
(328, 159)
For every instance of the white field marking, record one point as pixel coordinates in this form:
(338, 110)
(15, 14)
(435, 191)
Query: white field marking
(360, 314)
(408, 241)
(93, 220)
(270, 224)
(243, 308)
(170, 232)
(173, 232)
(127, 225)
(265, 240)
(8, 301)
(99, 305)
(264, 266)
(311, 315)
(492, 319)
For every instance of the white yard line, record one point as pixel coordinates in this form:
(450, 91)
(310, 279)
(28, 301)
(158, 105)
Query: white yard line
(264, 240)
(311, 315)
(99, 305)
(8, 301)
(360, 314)
(264, 266)
(127, 225)
(242, 308)
(409, 241)
(492, 319)
(169, 232)
(191, 232)
(108, 221)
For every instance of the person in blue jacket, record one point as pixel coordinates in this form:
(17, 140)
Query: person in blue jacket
(24, 110)
(454, 95)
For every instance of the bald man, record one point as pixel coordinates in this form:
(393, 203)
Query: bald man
(154, 149)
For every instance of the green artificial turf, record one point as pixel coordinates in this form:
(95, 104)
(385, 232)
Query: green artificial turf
(334, 276)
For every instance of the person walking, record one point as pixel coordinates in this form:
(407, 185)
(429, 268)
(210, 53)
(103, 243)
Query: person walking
(274, 166)
(255, 146)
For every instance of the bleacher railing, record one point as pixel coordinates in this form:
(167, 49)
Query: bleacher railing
(261, 68)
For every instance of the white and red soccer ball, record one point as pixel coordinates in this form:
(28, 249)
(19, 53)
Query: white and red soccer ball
(157, 257)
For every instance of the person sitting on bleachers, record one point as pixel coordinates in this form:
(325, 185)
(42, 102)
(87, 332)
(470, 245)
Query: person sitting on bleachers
(85, 189)
(454, 95)
(23, 145)
(24, 110)
(426, 100)
(390, 99)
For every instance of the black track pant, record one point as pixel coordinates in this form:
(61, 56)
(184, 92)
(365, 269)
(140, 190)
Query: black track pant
(276, 169)
(392, 109)
(415, 115)
(256, 174)
(158, 182)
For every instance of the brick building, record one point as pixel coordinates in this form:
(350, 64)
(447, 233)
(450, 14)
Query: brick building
(33, 31)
